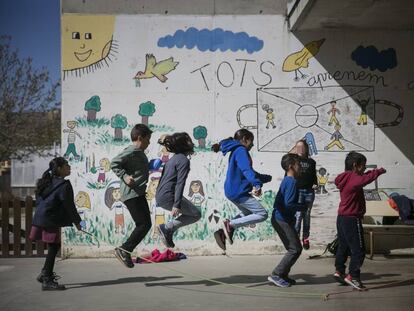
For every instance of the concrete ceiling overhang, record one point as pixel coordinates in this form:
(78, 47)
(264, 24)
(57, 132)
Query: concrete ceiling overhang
(351, 14)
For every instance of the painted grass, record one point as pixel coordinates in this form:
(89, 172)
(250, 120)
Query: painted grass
(98, 123)
(97, 185)
(161, 128)
(106, 138)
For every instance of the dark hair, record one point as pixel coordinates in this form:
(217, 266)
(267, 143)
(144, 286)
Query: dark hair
(46, 179)
(190, 191)
(354, 158)
(140, 130)
(243, 133)
(288, 160)
(239, 135)
(178, 143)
(303, 141)
(109, 199)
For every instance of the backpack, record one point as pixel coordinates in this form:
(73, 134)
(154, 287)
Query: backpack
(331, 247)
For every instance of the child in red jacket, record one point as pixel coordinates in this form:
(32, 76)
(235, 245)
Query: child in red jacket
(350, 213)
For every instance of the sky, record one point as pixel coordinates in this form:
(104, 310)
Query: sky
(34, 27)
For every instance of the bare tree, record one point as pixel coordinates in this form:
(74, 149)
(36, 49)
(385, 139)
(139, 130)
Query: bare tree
(29, 113)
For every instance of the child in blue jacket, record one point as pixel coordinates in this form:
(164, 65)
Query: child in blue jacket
(241, 182)
(284, 218)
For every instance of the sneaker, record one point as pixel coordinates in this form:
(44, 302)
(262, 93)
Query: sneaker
(305, 243)
(49, 283)
(41, 275)
(289, 280)
(228, 231)
(278, 281)
(220, 239)
(166, 236)
(340, 278)
(124, 257)
(356, 283)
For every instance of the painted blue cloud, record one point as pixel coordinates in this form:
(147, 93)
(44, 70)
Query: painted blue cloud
(211, 40)
(370, 57)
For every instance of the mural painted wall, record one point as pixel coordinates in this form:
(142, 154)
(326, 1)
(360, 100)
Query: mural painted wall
(209, 76)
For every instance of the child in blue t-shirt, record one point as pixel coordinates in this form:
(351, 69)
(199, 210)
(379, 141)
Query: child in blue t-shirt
(283, 220)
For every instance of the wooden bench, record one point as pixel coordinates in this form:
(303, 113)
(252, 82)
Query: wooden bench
(381, 238)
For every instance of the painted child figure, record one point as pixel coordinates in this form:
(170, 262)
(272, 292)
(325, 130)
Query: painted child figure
(113, 202)
(196, 193)
(83, 204)
(104, 167)
(132, 168)
(71, 148)
(285, 207)
(351, 211)
(170, 189)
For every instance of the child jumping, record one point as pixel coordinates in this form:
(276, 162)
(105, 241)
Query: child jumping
(241, 182)
(349, 221)
(283, 220)
(55, 208)
(171, 187)
(132, 167)
(305, 183)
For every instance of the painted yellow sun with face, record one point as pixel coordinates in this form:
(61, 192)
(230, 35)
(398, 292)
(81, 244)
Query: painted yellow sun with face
(87, 43)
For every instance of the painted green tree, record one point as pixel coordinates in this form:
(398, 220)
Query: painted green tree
(92, 106)
(118, 122)
(146, 110)
(200, 133)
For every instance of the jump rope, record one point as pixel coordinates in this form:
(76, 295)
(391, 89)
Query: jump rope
(281, 294)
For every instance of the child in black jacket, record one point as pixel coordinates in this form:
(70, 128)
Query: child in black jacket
(55, 208)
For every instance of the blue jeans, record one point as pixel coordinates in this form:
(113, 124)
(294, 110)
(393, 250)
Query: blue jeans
(189, 214)
(305, 215)
(253, 212)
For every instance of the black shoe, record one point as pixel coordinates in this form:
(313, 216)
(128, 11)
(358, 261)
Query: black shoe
(124, 257)
(340, 278)
(355, 283)
(166, 236)
(49, 283)
(220, 239)
(41, 276)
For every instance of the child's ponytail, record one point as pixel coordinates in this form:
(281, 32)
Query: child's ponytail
(47, 177)
(43, 182)
(216, 147)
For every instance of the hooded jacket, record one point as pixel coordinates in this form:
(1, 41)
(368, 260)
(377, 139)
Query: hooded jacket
(350, 185)
(240, 177)
(55, 206)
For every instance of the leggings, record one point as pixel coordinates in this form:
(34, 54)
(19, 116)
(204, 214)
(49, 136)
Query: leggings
(52, 250)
